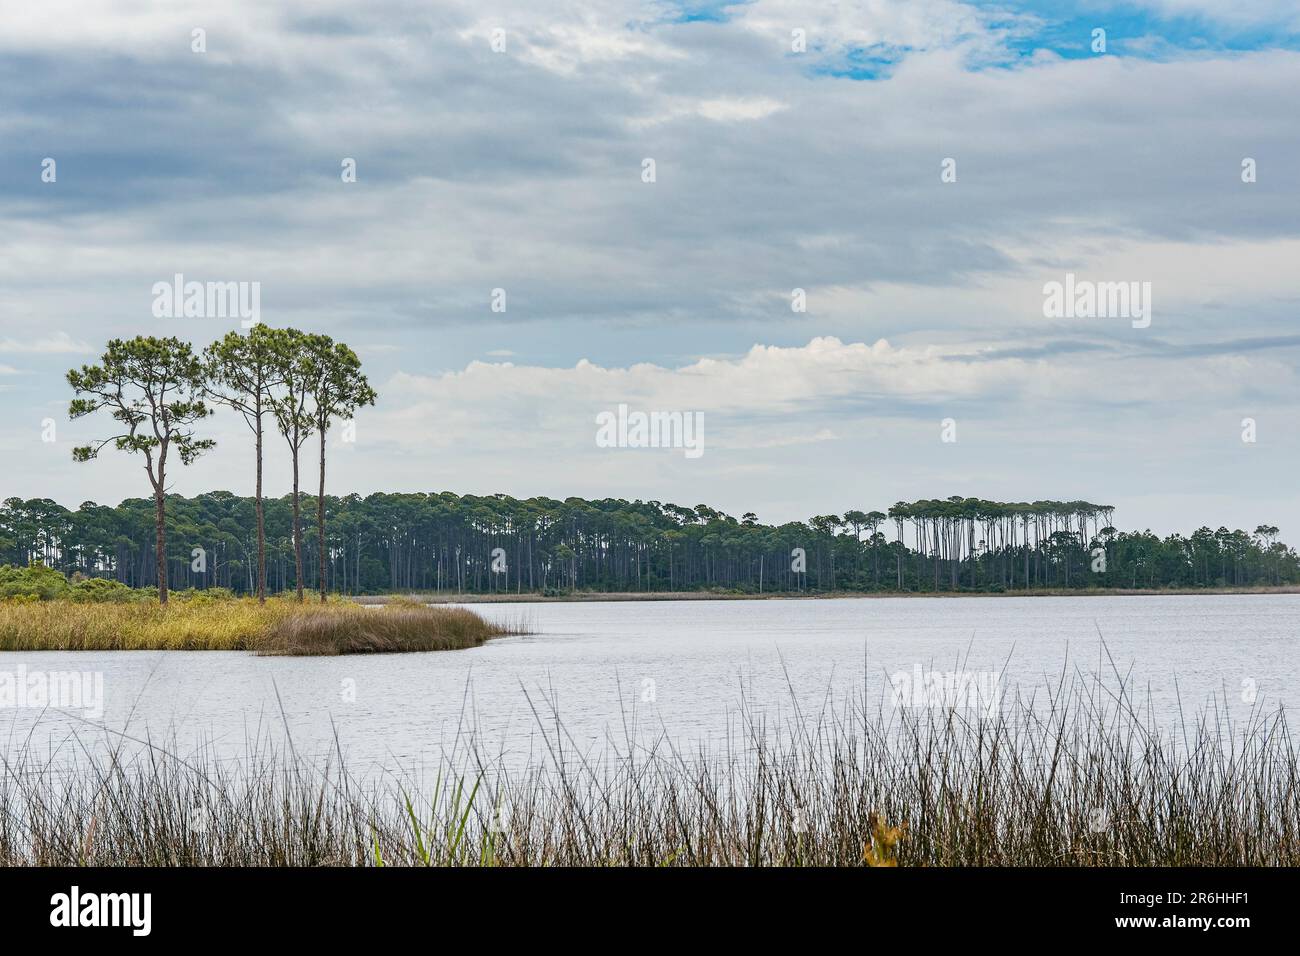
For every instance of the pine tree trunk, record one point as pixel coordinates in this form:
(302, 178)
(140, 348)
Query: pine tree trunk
(320, 514)
(297, 523)
(160, 533)
(261, 516)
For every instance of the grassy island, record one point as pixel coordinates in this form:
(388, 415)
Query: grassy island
(41, 610)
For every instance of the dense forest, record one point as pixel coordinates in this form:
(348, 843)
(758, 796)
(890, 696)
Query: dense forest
(158, 391)
(446, 542)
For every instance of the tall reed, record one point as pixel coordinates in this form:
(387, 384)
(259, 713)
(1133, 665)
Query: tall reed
(1079, 776)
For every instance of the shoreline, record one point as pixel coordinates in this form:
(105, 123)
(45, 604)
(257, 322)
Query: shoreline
(578, 597)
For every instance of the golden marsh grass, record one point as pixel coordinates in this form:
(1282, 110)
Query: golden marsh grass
(281, 626)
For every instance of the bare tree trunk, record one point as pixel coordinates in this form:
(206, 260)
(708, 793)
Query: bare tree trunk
(160, 533)
(297, 522)
(320, 516)
(261, 515)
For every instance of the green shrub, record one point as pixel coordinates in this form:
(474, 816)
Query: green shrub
(39, 583)
(96, 590)
(35, 580)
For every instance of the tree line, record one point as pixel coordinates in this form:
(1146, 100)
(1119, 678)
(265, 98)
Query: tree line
(157, 390)
(471, 544)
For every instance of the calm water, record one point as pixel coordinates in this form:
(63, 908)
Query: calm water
(674, 668)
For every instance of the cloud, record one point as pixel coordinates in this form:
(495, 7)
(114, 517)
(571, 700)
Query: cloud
(724, 109)
(1245, 13)
(826, 380)
(597, 34)
(59, 344)
(820, 171)
(868, 24)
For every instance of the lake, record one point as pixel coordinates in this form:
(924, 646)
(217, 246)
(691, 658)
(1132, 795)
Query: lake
(679, 669)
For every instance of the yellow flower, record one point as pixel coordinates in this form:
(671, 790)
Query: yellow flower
(881, 849)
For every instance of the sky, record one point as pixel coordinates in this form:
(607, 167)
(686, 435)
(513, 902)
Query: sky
(507, 269)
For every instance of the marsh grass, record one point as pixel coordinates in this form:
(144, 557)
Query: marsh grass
(393, 628)
(281, 626)
(1080, 777)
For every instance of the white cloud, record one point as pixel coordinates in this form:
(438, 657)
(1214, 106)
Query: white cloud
(1240, 13)
(786, 388)
(574, 36)
(521, 170)
(838, 28)
(59, 344)
(723, 109)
